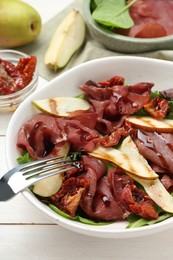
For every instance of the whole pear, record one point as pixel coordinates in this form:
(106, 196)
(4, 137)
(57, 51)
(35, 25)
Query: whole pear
(20, 23)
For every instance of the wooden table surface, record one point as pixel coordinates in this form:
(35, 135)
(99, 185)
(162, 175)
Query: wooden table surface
(25, 233)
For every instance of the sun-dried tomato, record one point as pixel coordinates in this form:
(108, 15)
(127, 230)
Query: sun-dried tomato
(26, 67)
(14, 78)
(157, 108)
(115, 137)
(117, 80)
(68, 197)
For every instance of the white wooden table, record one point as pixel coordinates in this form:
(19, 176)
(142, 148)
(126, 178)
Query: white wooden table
(25, 233)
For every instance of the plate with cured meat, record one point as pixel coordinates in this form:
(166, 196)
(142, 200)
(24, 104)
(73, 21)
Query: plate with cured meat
(114, 117)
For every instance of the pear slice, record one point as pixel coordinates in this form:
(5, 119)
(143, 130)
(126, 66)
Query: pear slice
(157, 192)
(49, 186)
(151, 124)
(67, 39)
(62, 106)
(127, 158)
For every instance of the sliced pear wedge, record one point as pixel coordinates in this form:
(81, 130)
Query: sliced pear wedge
(157, 192)
(62, 106)
(127, 158)
(49, 186)
(151, 124)
(66, 40)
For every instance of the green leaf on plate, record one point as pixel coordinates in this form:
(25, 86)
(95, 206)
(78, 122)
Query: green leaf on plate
(24, 158)
(78, 218)
(113, 13)
(136, 221)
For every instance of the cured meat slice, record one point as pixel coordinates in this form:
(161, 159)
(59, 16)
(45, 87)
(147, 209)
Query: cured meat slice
(156, 147)
(129, 196)
(152, 18)
(97, 201)
(44, 135)
(113, 102)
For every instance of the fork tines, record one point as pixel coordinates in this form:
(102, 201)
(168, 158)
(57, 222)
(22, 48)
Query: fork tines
(46, 167)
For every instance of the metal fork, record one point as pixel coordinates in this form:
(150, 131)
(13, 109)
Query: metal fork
(22, 176)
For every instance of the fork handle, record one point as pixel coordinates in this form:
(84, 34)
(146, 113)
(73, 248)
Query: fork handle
(6, 192)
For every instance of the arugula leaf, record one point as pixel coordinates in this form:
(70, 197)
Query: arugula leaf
(74, 156)
(24, 158)
(170, 110)
(155, 94)
(141, 112)
(113, 13)
(81, 96)
(78, 218)
(136, 221)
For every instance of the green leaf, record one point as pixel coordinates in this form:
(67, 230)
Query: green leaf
(74, 156)
(78, 218)
(61, 213)
(24, 158)
(141, 112)
(113, 13)
(136, 221)
(155, 94)
(98, 2)
(81, 96)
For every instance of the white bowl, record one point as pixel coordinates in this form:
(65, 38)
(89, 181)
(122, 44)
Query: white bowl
(134, 69)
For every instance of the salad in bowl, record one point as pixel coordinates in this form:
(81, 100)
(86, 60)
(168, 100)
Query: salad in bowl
(113, 117)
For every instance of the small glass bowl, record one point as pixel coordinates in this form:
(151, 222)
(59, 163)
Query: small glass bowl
(11, 101)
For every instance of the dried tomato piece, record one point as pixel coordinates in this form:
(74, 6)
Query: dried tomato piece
(68, 197)
(26, 67)
(7, 83)
(157, 108)
(117, 80)
(14, 78)
(115, 136)
(8, 66)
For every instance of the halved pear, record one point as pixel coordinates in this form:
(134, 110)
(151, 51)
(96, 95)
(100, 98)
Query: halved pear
(151, 124)
(66, 40)
(127, 158)
(49, 186)
(157, 192)
(62, 106)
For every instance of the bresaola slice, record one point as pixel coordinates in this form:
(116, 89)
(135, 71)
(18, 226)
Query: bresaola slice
(98, 201)
(112, 101)
(156, 147)
(44, 135)
(152, 18)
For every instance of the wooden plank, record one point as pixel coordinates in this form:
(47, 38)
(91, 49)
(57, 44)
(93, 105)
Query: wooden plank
(54, 242)
(20, 210)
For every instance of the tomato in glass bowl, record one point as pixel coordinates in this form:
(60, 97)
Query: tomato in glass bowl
(18, 78)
